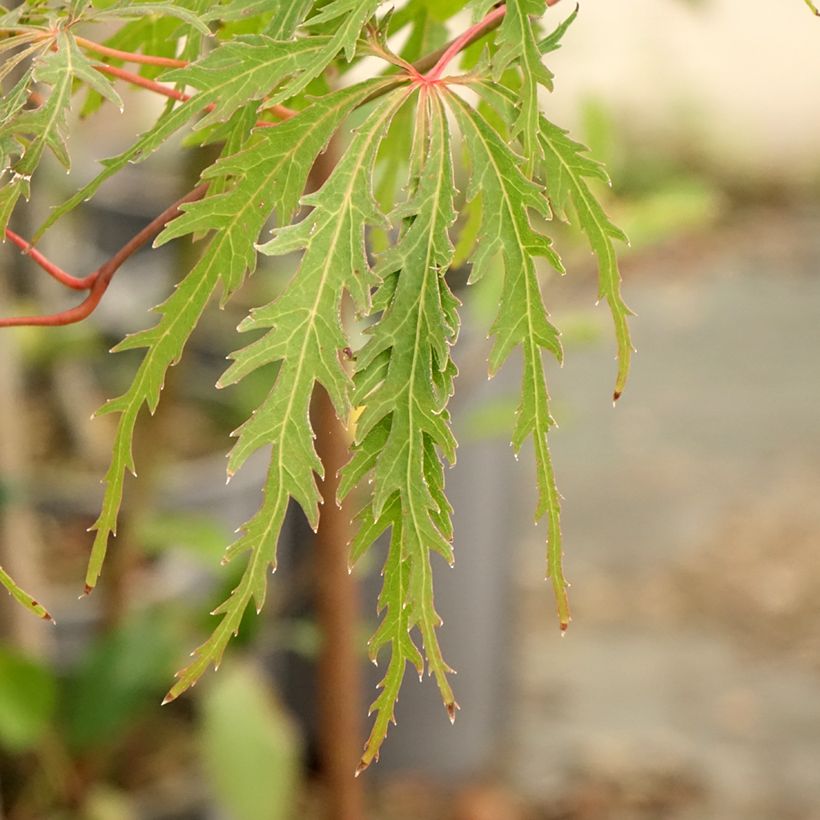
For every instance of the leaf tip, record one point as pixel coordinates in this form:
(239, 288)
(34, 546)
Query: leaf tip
(452, 707)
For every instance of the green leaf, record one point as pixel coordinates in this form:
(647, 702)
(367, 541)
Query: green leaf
(305, 339)
(403, 382)
(23, 598)
(349, 17)
(42, 127)
(552, 42)
(506, 231)
(28, 694)
(250, 748)
(166, 341)
(29, 44)
(566, 169)
(283, 18)
(128, 10)
(287, 17)
(519, 43)
(268, 176)
(238, 71)
(245, 68)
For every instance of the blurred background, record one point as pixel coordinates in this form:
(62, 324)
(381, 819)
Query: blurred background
(688, 685)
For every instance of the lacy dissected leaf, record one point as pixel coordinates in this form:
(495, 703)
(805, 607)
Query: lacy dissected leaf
(506, 231)
(403, 382)
(283, 18)
(519, 43)
(129, 10)
(11, 105)
(268, 176)
(246, 68)
(552, 42)
(17, 47)
(348, 18)
(287, 17)
(35, 129)
(566, 169)
(239, 71)
(305, 338)
(22, 597)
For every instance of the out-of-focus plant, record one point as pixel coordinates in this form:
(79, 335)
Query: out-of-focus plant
(88, 736)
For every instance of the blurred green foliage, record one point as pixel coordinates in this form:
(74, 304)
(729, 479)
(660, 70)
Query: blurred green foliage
(119, 677)
(28, 696)
(250, 749)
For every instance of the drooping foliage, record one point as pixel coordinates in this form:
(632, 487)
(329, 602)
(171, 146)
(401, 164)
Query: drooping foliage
(269, 81)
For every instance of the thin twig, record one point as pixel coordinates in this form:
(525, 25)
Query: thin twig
(129, 56)
(49, 267)
(101, 278)
(142, 82)
(426, 63)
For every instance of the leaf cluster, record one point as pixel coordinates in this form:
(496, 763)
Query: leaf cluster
(379, 231)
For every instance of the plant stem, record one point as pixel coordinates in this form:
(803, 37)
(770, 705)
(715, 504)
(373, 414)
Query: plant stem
(281, 111)
(49, 267)
(101, 278)
(479, 30)
(339, 681)
(129, 56)
(491, 21)
(142, 82)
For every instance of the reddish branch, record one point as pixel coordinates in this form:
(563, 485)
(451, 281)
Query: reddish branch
(142, 82)
(129, 56)
(281, 111)
(49, 267)
(436, 60)
(97, 282)
(461, 42)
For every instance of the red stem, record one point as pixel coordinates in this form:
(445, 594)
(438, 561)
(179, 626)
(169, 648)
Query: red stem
(468, 37)
(49, 267)
(129, 56)
(281, 111)
(143, 82)
(463, 40)
(101, 278)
